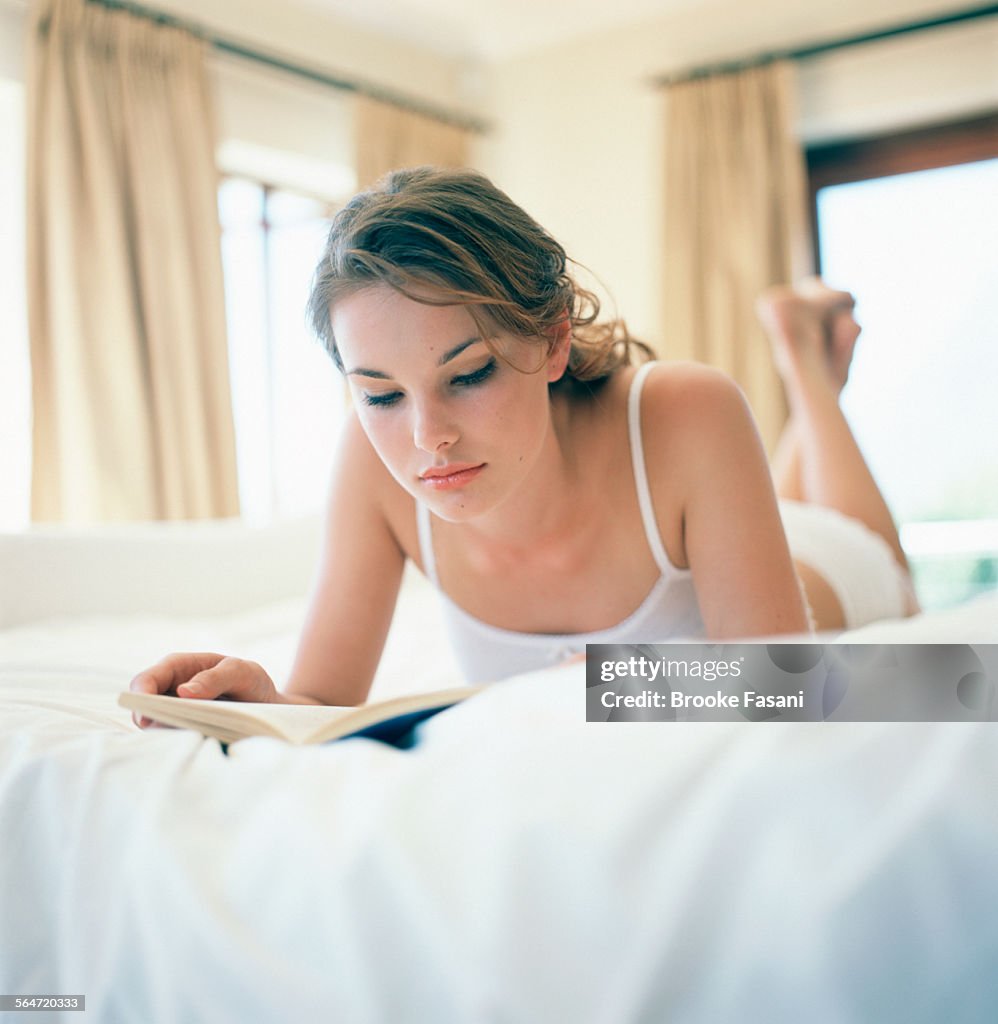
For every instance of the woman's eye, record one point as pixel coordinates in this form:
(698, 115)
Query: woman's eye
(470, 379)
(464, 380)
(390, 398)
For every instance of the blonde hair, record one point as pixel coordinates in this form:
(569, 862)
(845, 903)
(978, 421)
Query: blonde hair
(450, 237)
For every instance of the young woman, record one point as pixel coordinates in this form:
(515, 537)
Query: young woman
(555, 493)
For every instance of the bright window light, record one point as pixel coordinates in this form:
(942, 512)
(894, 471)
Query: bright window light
(288, 398)
(918, 251)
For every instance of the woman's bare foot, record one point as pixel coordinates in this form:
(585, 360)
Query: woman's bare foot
(841, 328)
(812, 330)
(796, 333)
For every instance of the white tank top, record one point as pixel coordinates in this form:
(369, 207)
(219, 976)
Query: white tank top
(487, 653)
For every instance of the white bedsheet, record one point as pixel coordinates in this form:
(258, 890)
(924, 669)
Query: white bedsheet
(516, 865)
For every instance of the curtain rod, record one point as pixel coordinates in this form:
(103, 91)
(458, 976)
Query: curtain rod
(333, 81)
(730, 67)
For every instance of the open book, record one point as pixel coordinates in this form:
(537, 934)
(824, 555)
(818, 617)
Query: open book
(228, 720)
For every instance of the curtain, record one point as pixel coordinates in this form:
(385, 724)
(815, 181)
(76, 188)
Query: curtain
(388, 137)
(131, 401)
(735, 222)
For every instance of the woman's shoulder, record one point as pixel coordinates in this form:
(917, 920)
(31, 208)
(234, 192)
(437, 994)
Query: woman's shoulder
(686, 381)
(691, 414)
(679, 400)
(677, 394)
(697, 429)
(685, 400)
(684, 411)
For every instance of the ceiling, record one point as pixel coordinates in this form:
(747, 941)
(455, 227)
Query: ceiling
(499, 29)
(495, 29)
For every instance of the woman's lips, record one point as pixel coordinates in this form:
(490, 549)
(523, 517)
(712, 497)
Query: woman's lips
(444, 478)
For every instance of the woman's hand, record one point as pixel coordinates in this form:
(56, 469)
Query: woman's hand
(205, 676)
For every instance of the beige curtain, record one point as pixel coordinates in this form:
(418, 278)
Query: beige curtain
(132, 410)
(388, 137)
(736, 221)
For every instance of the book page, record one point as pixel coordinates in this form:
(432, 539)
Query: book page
(296, 723)
(365, 715)
(293, 722)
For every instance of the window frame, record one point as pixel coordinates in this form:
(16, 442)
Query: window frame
(266, 223)
(919, 149)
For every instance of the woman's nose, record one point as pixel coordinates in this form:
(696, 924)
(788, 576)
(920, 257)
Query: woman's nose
(433, 429)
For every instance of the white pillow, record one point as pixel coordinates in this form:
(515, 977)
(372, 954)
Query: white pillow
(211, 567)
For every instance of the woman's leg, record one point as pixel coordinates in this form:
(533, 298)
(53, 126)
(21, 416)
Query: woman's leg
(818, 461)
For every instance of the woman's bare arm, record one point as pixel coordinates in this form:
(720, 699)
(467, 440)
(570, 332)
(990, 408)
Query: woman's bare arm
(360, 569)
(357, 584)
(733, 536)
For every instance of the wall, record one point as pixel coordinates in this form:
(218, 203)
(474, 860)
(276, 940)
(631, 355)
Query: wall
(286, 130)
(15, 375)
(328, 43)
(283, 129)
(11, 45)
(943, 74)
(580, 131)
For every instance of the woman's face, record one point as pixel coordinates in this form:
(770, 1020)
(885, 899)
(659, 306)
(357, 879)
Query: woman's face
(457, 427)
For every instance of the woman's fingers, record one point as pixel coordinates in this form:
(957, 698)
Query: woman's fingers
(231, 677)
(173, 671)
(168, 674)
(216, 681)
(204, 676)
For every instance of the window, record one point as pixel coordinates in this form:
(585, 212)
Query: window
(288, 398)
(908, 224)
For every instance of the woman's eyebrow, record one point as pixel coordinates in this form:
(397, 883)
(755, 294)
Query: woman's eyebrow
(457, 350)
(450, 354)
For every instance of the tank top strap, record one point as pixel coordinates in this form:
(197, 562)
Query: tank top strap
(640, 470)
(425, 531)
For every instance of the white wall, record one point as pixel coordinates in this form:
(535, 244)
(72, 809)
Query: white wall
(15, 374)
(283, 130)
(286, 130)
(307, 36)
(11, 45)
(944, 74)
(580, 137)
(578, 144)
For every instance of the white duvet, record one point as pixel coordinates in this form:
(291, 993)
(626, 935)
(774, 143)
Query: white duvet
(518, 864)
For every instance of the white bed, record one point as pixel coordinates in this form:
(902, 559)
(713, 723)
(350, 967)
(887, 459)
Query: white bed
(518, 864)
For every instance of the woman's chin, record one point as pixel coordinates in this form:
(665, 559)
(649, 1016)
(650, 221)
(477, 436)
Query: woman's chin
(454, 508)
(455, 502)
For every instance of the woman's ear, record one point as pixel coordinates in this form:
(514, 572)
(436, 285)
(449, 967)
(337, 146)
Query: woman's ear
(561, 336)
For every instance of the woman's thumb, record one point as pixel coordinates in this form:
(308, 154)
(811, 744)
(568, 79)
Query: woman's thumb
(204, 684)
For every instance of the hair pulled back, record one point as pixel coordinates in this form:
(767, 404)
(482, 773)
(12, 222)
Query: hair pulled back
(450, 237)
